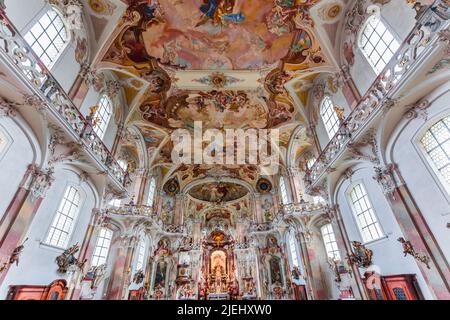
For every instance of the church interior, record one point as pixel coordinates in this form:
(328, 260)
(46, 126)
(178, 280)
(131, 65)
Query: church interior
(96, 205)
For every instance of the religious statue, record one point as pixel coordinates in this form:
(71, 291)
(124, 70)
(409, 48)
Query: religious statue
(361, 256)
(139, 277)
(67, 259)
(409, 249)
(95, 274)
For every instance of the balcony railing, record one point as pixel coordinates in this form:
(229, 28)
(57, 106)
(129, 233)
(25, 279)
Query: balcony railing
(130, 210)
(385, 88)
(19, 56)
(301, 208)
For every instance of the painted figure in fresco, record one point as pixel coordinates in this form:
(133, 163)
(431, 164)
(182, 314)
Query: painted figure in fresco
(220, 12)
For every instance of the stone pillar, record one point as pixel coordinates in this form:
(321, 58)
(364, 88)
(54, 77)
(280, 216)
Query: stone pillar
(87, 250)
(311, 241)
(294, 174)
(121, 272)
(140, 183)
(416, 230)
(344, 242)
(20, 213)
(306, 265)
(259, 214)
(178, 210)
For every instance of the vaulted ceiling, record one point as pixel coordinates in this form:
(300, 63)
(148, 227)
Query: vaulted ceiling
(227, 63)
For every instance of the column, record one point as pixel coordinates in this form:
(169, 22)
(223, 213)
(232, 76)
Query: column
(344, 242)
(415, 229)
(121, 273)
(87, 250)
(21, 211)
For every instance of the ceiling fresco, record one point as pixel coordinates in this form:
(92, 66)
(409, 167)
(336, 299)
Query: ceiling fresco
(218, 192)
(231, 64)
(209, 35)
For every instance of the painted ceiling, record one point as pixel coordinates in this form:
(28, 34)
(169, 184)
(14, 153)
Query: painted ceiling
(227, 63)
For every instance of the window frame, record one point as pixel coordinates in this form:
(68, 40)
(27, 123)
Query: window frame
(355, 215)
(336, 124)
(440, 181)
(57, 212)
(35, 21)
(330, 242)
(151, 191)
(142, 244)
(8, 142)
(96, 258)
(98, 129)
(365, 53)
(284, 195)
(292, 244)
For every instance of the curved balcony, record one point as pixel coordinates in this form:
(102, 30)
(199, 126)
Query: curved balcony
(385, 89)
(48, 93)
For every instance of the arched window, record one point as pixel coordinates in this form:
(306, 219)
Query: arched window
(123, 164)
(48, 37)
(140, 262)
(116, 203)
(102, 246)
(436, 143)
(329, 116)
(329, 240)
(151, 192)
(63, 223)
(5, 142)
(293, 250)
(365, 215)
(377, 43)
(283, 191)
(102, 116)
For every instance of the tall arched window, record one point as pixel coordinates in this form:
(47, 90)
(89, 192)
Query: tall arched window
(293, 250)
(140, 262)
(63, 222)
(102, 247)
(283, 191)
(151, 192)
(436, 143)
(102, 116)
(377, 43)
(329, 116)
(365, 215)
(48, 37)
(329, 240)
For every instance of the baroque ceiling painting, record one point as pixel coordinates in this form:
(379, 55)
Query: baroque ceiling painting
(221, 63)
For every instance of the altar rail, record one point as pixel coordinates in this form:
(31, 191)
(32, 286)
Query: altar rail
(24, 62)
(382, 93)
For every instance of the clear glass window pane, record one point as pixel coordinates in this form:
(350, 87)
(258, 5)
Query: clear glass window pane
(48, 37)
(436, 143)
(364, 213)
(378, 44)
(151, 192)
(329, 117)
(102, 247)
(102, 116)
(62, 226)
(330, 243)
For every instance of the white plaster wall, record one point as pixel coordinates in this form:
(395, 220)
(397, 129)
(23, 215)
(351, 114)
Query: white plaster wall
(387, 251)
(430, 192)
(14, 161)
(37, 264)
